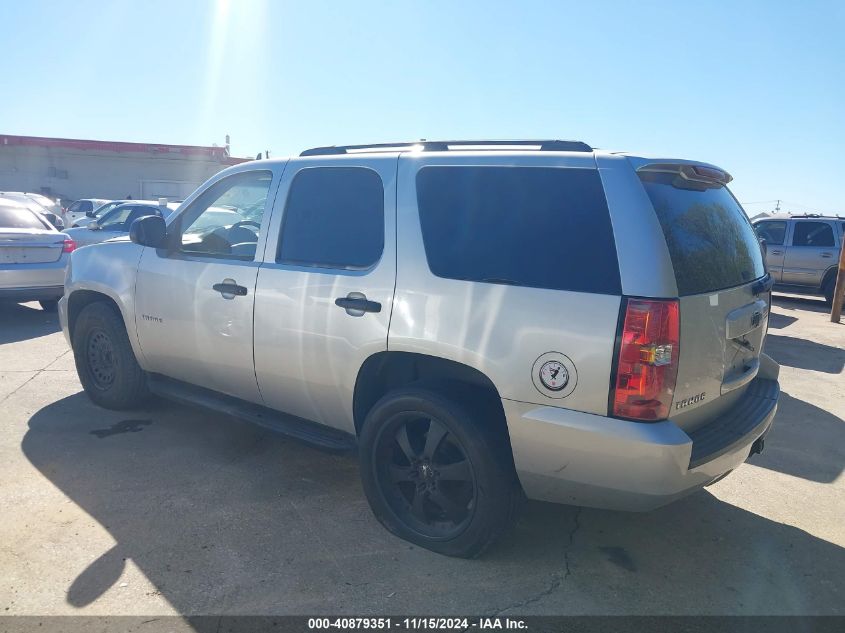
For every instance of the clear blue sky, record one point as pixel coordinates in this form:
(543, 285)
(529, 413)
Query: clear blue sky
(755, 87)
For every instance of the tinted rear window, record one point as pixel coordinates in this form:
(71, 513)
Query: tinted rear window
(710, 240)
(19, 218)
(528, 226)
(334, 218)
(812, 234)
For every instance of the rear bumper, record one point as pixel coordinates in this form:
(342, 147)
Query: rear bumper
(37, 293)
(33, 282)
(577, 458)
(15, 277)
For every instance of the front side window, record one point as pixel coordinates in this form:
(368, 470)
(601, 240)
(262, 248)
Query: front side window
(773, 232)
(541, 227)
(227, 218)
(812, 234)
(334, 218)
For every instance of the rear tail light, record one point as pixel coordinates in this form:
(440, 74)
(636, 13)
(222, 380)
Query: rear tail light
(68, 246)
(648, 360)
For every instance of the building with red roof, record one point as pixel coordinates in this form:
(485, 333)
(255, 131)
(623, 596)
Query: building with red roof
(74, 168)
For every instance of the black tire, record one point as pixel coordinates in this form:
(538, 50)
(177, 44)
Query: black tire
(461, 514)
(828, 290)
(105, 362)
(49, 305)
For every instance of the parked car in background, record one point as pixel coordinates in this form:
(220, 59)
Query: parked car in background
(802, 251)
(33, 203)
(97, 213)
(33, 256)
(80, 208)
(479, 319)
(48, 203)
(116, 222)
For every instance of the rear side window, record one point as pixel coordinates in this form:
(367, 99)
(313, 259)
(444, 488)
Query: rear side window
(709, 237)
(773, 232)
(812, 234)
(526, 226)
(334, 218)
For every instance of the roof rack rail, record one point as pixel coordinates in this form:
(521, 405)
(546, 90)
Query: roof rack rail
(443, 146)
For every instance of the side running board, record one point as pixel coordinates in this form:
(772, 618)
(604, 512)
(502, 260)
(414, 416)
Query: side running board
(311, 433)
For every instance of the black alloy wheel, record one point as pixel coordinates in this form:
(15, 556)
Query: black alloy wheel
(437, 468)
(425, 475)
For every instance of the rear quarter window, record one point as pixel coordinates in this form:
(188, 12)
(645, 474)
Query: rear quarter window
(526, 226)
(710, 239)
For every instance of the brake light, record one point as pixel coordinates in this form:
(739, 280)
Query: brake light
(68, 246)
(648, 360)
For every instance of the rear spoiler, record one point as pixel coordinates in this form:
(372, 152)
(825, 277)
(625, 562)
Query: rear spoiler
(695, 172)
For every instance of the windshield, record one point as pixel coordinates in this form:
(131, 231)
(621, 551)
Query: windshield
(116, 217)
(108, 206)
(213, 218)
(711, 242)
(19, 218)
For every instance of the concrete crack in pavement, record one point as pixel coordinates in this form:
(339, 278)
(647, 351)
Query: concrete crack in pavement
(558, 578)
(35, 375)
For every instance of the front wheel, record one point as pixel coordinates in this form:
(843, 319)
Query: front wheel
(436, 475)
(105, 362)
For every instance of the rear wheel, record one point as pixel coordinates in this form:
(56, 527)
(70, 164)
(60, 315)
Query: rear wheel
(105, 362)
(435, 475)
(49, 305)
(829, 288)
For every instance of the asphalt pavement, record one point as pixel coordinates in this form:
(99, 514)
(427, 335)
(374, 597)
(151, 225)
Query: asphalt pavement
(172, 510)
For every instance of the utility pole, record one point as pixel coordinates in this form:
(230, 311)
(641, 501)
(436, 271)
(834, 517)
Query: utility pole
(839, 291)
(777, 207)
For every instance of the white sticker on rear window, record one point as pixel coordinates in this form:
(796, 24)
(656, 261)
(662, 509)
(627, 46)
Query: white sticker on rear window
(714, 300)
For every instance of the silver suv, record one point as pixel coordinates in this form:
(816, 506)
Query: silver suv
(480, 320)
(802, 252)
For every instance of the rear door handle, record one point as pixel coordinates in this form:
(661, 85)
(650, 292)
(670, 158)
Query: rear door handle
(777, 252)
(356, 304)
(827, 255)
(229, 289)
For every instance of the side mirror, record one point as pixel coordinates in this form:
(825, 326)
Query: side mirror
(150, 230)
(93, 226)
(90, 214)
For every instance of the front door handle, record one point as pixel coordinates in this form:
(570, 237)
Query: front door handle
(777, 252)
(356, 304)
(827, 255)
(229, 289)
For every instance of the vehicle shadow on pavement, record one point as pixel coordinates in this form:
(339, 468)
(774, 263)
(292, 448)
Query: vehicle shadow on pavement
(780, 321)
(225, 518)
(793, 302)
(21, 322)
(805, 441)
(805, 354)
